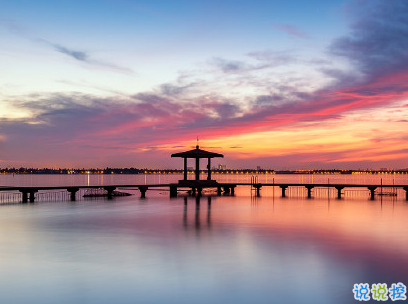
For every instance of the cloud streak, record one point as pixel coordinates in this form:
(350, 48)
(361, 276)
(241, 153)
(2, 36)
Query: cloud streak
(290, 30)
(17, 29)
(85, 57)
(78, 55)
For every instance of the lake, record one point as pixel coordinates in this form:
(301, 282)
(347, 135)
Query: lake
(213, 249)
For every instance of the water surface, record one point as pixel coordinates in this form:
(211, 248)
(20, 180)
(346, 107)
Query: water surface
(240, 249)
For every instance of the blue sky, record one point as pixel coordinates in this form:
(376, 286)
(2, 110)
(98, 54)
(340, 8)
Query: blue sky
(125, 83)
(153, 42)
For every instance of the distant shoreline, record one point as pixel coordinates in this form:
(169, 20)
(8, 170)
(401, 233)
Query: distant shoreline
(179, 171)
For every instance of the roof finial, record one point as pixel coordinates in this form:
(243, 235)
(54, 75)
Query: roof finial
(197, 142)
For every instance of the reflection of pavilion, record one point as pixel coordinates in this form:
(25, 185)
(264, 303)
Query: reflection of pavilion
(197, 222)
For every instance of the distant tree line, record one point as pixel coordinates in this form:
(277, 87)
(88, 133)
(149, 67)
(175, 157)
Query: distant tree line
(107, 170)
(132, 170)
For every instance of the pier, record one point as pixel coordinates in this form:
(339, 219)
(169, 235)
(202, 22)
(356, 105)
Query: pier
(195, 188)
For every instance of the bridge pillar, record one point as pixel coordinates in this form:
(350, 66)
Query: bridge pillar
(173, 191)
(372, 192)
(110, 191)
(406, 193)
(25, 195)
(32, 195)
(226, 190)
(339, 191)
(143, 190)
(73, 192)
(283, 187)
(199, 191)
(309, 191)
(258, 190)
(232, 190)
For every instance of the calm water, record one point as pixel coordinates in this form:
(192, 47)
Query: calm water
(240, 249)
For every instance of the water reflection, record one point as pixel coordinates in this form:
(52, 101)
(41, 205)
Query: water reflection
(197, 208)
(202, 249)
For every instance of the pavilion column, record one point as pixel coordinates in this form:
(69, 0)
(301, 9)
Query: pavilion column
(209, 169)
(185, 168)
(197, 173)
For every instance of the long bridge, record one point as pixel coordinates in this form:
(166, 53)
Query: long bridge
(196, 188)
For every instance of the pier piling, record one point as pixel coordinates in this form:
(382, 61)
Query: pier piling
(309, 191)
(173, 191)
(226, 190)
(339, 188)
(372, 192)
(283, 187)
(143, 190)
(24, 196)
(32, 195)
(258, 189)
(110, 191)
(73, 192)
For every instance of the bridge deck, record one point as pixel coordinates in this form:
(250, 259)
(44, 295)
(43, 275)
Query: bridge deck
(28, 193)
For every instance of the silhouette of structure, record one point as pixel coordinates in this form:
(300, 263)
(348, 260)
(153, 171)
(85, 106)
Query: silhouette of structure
(197, 153)
(196, 186)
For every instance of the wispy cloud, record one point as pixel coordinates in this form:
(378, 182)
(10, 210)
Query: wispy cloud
(274, 58)
(18, 29)
(263, 60)
(14, 27)
(229, 66)
(290, 30)
(84, 57)
(170, 89)
(78, 55)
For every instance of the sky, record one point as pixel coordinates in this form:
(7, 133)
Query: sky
(278, 84)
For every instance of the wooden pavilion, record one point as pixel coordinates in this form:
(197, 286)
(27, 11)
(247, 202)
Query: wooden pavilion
(197, 153)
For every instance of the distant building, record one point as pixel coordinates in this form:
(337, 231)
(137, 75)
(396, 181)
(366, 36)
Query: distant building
(222, 167)
(258, 168)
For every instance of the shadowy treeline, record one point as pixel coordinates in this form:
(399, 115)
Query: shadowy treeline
(132, 170)
(71, 171)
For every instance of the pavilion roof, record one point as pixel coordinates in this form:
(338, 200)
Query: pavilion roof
(197, 153)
